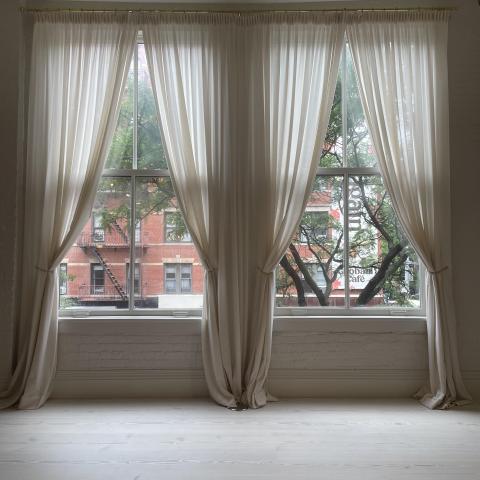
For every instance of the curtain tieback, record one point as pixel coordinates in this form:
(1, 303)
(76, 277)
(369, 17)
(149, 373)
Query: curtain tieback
(440, 270)
(45, 270)
(263, 271)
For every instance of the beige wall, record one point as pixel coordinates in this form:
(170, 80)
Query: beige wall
(9, 89)
(464, 73)
(464, 78)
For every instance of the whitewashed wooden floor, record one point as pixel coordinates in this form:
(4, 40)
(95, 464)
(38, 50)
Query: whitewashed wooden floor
(310, 439)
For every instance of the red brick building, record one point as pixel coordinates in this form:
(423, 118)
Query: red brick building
(168, 271)
(96, 270)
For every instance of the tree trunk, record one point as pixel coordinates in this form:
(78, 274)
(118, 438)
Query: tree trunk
(308, 277)
(378, 280)
(296, 280)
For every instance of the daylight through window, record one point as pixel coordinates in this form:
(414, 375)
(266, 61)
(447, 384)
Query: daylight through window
(135, 221)
(349, 250)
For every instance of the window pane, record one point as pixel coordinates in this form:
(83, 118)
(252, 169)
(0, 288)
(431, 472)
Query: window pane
(310, 271)
(172, 275)
(332, 155)
(359, 147)
(383, 267)
(121, 150)
(97, 264)
(97, 283)
(186, 270)
(150, 151)
(62, 279)
(170, 286)
(186, 278)
(98, 230)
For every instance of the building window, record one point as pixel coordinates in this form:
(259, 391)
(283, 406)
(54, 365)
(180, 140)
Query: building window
(349, 252)
(135, 219)
(138, 232)
(175, 228)
(98, 230)
(178, 278)
(97, 282)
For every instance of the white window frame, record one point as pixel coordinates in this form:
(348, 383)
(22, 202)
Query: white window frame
(132, 174)
(298, 312)
(318, 311)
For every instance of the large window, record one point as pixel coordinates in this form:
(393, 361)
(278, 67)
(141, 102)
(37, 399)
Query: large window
(135, 221)
(349, 252)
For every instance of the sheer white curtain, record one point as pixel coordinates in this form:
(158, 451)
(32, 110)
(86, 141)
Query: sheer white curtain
(401, 62)
(79, 66)
(244, 105)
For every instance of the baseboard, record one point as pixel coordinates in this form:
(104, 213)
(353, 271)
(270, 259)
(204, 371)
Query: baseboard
(4, 380)
(346, 383)
(191, 383)
(472, 382)
(129, 384)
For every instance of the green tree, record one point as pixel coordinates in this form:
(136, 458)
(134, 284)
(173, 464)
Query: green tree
(377, 244)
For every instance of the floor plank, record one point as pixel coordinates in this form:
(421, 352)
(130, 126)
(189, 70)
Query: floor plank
(308, 439)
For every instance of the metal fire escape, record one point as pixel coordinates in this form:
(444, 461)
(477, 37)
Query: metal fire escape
(120, 231)
(88, 241)
(110, 274)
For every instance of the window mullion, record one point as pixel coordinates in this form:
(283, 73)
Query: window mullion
(178, 280)
(349, 170)
(343, 86)
(346, 242)
(346, 236)
(135, 110)
(133, 220)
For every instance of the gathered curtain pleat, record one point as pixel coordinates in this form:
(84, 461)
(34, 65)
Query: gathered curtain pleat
(244, 105)
(401, 64)
(79, 67)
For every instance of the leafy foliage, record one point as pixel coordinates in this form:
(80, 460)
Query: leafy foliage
(376, 243)
(150, 152)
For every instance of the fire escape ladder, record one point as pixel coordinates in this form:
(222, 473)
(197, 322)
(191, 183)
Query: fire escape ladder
(110, 274)
(120, 231)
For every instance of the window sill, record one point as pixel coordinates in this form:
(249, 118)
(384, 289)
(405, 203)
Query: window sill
(169, 325)
(352, 324)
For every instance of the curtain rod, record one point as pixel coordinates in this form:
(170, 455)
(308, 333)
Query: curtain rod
(232, 12)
